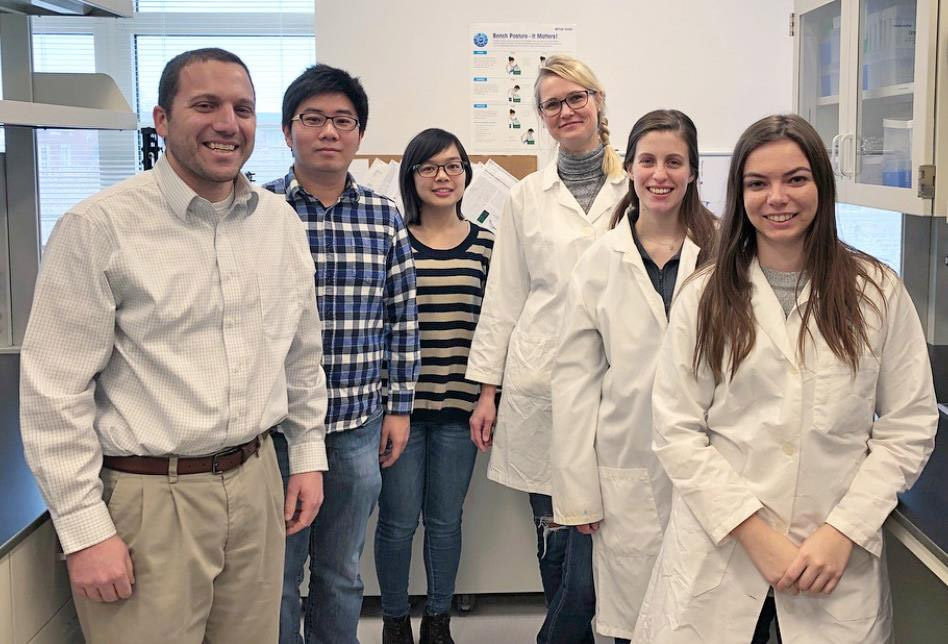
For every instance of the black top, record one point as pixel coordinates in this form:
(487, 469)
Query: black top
(664, 278)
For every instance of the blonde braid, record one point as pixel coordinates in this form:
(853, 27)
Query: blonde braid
(611, 164)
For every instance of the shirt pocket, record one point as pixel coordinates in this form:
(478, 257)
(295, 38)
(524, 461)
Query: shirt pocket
(281, 304)
(844, 401)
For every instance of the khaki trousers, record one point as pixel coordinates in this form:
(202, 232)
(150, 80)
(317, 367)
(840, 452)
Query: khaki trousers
(207, 551)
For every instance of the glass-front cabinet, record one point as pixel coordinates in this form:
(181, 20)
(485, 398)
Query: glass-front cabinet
(865, 79)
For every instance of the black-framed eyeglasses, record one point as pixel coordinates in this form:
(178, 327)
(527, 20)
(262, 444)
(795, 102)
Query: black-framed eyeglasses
(315, 119)
(575, 100)
(428, 170)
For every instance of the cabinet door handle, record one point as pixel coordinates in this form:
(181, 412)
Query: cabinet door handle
(834, 154)
(844, 168)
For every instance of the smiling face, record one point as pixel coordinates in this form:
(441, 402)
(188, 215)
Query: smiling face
(660, 172)
(323, 150)
(209, 132)
(442, 190)
(781, 200)
(576, 130)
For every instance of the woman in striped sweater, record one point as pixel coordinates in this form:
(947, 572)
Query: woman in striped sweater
(432, 475)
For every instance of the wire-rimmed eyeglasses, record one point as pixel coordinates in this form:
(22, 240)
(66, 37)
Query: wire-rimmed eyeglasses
(575, 100)
(451, 168)
(315, 119)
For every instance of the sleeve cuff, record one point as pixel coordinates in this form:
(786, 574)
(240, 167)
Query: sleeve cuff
(84, 528)
(743, 512)
(308, 457)
(400, 402)
(869, 540)
(484, 377)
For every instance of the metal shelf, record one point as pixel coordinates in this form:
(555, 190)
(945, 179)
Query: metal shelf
(79, 101)
(100, 8)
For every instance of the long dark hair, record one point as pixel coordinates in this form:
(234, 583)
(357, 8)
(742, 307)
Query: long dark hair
(425, 145)
(838, 273)
(697, 220)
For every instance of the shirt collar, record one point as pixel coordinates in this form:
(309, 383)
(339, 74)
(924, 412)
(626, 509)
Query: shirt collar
(182, 199)
(294, 190)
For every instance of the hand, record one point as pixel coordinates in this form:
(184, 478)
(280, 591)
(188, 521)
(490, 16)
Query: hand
(395, 432)
(304, 495)
(588, 528)
(102, 572)
(771, 552)
(483, 418)
(820, 563)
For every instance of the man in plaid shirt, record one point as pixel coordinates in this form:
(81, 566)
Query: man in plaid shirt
(365, 294)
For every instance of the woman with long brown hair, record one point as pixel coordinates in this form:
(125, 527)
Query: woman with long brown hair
(793, 400)
(606, 480)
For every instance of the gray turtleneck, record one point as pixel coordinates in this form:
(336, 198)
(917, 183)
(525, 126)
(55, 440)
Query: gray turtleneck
(785, 286)
(582, 174)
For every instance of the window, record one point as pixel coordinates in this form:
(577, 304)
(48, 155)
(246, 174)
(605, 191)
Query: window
(273, 37)
(873, 231)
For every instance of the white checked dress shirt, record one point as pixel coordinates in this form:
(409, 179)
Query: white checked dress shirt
(160, 327)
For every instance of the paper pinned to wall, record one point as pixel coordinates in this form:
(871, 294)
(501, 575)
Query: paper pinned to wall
(484, 199)
(712, 181)
(388, 184)
(359, 169)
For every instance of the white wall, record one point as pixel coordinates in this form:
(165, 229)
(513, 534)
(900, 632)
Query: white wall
(723, 62)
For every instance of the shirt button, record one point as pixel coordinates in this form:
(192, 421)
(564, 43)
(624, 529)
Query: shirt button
(789, 449)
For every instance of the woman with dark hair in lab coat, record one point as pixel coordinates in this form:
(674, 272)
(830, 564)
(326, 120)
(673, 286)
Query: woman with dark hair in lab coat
(550, 218)
(606, 481)
(792, 401)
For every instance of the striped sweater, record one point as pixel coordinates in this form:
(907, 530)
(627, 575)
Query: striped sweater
(450, 286)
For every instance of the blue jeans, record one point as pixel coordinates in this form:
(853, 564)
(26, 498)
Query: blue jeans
(334, 541)
(565, 556)
(431, 479)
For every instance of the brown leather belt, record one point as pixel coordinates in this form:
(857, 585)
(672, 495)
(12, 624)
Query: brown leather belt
(218, 463)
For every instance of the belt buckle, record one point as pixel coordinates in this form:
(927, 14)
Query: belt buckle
(215, 463)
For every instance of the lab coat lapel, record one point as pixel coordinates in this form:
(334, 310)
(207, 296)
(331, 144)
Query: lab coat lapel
(769, 313)
(609, 195)
(631, 257)
(687, 263)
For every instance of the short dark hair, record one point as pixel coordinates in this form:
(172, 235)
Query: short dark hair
(323, 79)
(425, 145)
(168, 84)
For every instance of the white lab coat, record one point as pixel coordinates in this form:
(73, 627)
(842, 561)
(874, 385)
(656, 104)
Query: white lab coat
(541, 235)
(603, 465)
(798, 443)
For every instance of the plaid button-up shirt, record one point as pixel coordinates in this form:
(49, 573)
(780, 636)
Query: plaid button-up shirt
(365, 294)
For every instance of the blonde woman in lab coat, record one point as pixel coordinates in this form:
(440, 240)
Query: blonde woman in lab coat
(793, 400)
(606, 481)
(551, 217)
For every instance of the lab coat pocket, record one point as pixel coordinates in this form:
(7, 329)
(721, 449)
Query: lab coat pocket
(862, 593)
(529, 366)
(630, 523)
(697, 562)
(842, 401)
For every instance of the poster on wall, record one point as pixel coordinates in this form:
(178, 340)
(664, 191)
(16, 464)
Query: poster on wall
(505, 59)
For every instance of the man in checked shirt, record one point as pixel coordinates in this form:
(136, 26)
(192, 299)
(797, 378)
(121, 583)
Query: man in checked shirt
(365, 292)
(174, 323)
